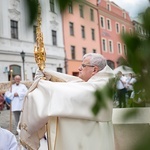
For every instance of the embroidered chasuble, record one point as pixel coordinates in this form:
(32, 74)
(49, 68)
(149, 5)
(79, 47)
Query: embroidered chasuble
(61, 111)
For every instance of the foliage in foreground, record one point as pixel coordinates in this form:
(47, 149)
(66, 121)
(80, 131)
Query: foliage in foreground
(32, 8)
(138, 58)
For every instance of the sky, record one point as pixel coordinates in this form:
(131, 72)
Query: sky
(132, 6)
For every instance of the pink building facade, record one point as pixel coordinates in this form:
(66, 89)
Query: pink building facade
(114, 21)
(81, 33)
(94, 26)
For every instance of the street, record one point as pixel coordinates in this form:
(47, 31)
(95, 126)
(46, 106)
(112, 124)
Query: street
(5, 120)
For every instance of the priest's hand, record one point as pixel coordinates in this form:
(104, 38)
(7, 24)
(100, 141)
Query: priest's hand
(15, 94)
(47, 75)
(39, 74)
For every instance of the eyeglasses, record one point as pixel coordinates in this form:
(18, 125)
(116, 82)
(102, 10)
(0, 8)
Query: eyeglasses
(84, 65)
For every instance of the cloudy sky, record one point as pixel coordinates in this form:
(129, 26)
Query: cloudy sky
(132, 6)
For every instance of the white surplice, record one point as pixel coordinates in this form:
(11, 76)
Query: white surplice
(17, 102)
(8, 140)
(66, 107)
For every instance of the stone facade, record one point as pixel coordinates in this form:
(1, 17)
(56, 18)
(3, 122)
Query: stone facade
(13, 14)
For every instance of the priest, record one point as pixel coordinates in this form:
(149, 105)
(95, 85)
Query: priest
(58, 108)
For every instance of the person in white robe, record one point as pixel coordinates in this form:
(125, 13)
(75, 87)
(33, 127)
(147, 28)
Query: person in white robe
(8, 140)
(129, 84)
(62, 109)
(16, 94)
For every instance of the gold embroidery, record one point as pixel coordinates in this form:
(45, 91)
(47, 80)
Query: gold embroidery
(25, 145)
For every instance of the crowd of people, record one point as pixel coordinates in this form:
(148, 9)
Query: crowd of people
(124, 88)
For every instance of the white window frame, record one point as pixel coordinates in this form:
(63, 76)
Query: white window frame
(83, 31)
(109, 24)
(81, 11)
(108, 6)
(123, 28)
(93, 36)
(119, 51)
(105, 45)
(91, 14)
(71, 28)
(103, 22)
(124, 15)
(118, 32)
(112, 46)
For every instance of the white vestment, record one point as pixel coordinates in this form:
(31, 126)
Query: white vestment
(17, 102)
(8, 140)
(65, 108)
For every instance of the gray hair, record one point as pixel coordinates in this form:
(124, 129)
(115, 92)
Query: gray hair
(96, 60)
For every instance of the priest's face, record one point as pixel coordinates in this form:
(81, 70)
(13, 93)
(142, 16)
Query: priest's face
(86, 70)
(17, 79)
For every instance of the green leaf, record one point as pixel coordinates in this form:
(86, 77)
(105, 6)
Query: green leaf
(32, 10)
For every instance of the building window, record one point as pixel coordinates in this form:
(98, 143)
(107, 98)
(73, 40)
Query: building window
(73, 56)
(81, 11)
(52, 6)
(84, 51)
(71, 26)
(92, 14)
(102, 22)
(110, 46)
(16, 71)
(33, 75)
(123, 29)
(108, 7)
(94, 50)
(93, 34)
(117, 28)
(111, 64)
(125, 49)
(83, 31)
(108, 24)
(14, 29)
(104, 44)
(124, 15)
(119, 48)
(70, 8)
(34, 33)
(59, 69)
(130, 30)
(54, 37)
(140, 30)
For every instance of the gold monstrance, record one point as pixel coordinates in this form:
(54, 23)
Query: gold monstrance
(40, 57)
(39, 50)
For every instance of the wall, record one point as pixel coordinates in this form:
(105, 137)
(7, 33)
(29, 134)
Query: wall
(10, 48)
(131, 131)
